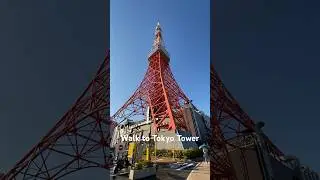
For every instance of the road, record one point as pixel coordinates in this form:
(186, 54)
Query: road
(174, 171)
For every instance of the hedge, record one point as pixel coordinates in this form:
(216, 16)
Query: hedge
(187, 153)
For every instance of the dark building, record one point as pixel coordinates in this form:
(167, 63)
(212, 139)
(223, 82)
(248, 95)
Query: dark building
(282, 168)
(197, 121)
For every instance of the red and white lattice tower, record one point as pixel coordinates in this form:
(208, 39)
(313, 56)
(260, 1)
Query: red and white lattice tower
(79, 140)
(158, 93)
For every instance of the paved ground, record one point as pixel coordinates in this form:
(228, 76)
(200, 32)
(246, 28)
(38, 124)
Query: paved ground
(175, 171)
(168, 171)
(201, 171)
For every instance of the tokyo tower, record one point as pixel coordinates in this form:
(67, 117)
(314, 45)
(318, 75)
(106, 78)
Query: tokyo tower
(158, 95)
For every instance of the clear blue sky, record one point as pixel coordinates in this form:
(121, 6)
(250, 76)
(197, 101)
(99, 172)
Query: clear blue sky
(186, 31)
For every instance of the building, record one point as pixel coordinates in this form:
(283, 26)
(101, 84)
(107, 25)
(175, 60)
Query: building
(200, 123)
(140, 130)
(256, 166)
(128, 132)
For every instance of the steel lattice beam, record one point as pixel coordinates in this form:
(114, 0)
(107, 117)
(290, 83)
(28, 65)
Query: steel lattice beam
(79, 140)
(231, 130)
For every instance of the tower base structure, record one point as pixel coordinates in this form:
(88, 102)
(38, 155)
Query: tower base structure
(143, 133)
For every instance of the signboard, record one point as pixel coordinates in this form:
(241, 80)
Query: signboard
(131, 150)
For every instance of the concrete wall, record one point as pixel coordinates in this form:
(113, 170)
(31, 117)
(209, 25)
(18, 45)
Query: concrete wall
(201, 126)
(189, 119)
(196, 122)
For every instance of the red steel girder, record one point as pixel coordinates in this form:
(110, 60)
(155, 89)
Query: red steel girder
(229, 122)
(231, 129)
(79, 140)
(160, 92)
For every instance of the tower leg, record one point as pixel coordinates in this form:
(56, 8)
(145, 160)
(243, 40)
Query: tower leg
(78, 141)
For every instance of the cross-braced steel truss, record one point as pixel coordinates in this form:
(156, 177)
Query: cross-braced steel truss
(232, 129)
(79, 140)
